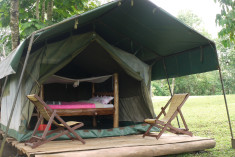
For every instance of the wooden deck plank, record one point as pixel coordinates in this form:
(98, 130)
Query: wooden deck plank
(140, 151)
(110, 143)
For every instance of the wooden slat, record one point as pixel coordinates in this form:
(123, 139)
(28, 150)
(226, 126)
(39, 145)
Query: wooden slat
(85, 112)
(104, 94)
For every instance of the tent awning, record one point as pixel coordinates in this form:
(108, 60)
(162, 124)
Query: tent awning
(144, 30)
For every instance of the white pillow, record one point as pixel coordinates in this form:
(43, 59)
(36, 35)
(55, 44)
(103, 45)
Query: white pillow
(103, 100)
(96, 99)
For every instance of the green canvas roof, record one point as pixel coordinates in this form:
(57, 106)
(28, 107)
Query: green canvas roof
(140, 28)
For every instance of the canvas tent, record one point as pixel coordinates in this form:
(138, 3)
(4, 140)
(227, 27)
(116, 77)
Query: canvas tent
(137, 39)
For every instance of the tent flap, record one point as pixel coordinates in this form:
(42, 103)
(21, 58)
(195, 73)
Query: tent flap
(10, 64)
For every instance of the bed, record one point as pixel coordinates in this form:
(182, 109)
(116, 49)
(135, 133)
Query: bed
(90, 108)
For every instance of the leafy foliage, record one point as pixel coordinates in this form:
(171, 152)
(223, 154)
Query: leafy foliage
(196, 84)
(160, 88)
(227, 61)
(226, 19)
(4, 13)
(29, 22)
(5, 45)
(192, 20)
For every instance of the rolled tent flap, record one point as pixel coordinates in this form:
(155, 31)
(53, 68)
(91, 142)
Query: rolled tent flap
(5, 66)
(75, 82)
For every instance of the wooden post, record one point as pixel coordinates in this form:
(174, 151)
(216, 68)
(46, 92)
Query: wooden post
(116, 101)
(93, 90)
(94, 123)
(42, 97)
(42, 92)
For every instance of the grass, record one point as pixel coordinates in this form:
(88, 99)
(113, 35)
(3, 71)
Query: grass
(206, 117)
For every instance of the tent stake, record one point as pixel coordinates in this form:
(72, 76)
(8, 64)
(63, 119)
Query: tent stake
(169, 86)
(17, 92)
(226, 105)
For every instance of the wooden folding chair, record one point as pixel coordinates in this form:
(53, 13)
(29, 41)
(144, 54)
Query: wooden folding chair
(176, 102)
(49, 114)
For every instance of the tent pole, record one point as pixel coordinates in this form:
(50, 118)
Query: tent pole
(226, 105)
(167, 78)
(225, 100)
(17, 92)
(3, 89)
(169, 86)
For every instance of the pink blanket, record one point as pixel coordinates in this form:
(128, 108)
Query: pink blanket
(72, 105)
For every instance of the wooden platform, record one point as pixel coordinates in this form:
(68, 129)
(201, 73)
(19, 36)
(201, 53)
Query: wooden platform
(133, 145)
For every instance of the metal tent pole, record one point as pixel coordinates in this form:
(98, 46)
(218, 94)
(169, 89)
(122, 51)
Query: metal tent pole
(225, 100)
(17, 92)
(226, 105)
(169, 87)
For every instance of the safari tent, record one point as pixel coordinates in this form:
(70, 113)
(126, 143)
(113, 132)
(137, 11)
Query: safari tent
(135, 39)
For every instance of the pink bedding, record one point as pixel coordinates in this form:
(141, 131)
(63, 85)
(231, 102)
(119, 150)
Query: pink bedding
(73, 105)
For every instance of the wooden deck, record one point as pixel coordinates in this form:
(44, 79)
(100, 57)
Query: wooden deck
(133, 145)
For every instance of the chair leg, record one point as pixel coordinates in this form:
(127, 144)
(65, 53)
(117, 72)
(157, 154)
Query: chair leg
(184, 122)
(71, 129)
(147, 132)
(75, 134)
(48, 125)
(37, 125)
(181, 131)
(161, 132)
(70, 137)
(32, 139)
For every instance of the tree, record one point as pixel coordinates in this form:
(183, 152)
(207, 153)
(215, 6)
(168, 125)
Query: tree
(192, 20)
(36, 14)
(227, 62)
(5, 34)
(14, 23)
(226, 19)
(160, 88)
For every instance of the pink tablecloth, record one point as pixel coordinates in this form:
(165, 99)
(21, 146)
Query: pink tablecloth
(72, 105)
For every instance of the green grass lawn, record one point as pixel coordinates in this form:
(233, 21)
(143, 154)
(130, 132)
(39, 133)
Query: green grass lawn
(206, 117)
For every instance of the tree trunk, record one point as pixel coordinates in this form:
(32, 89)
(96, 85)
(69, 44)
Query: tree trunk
(43, 10)
(50, 10)
(14, 23)
(37, 9)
